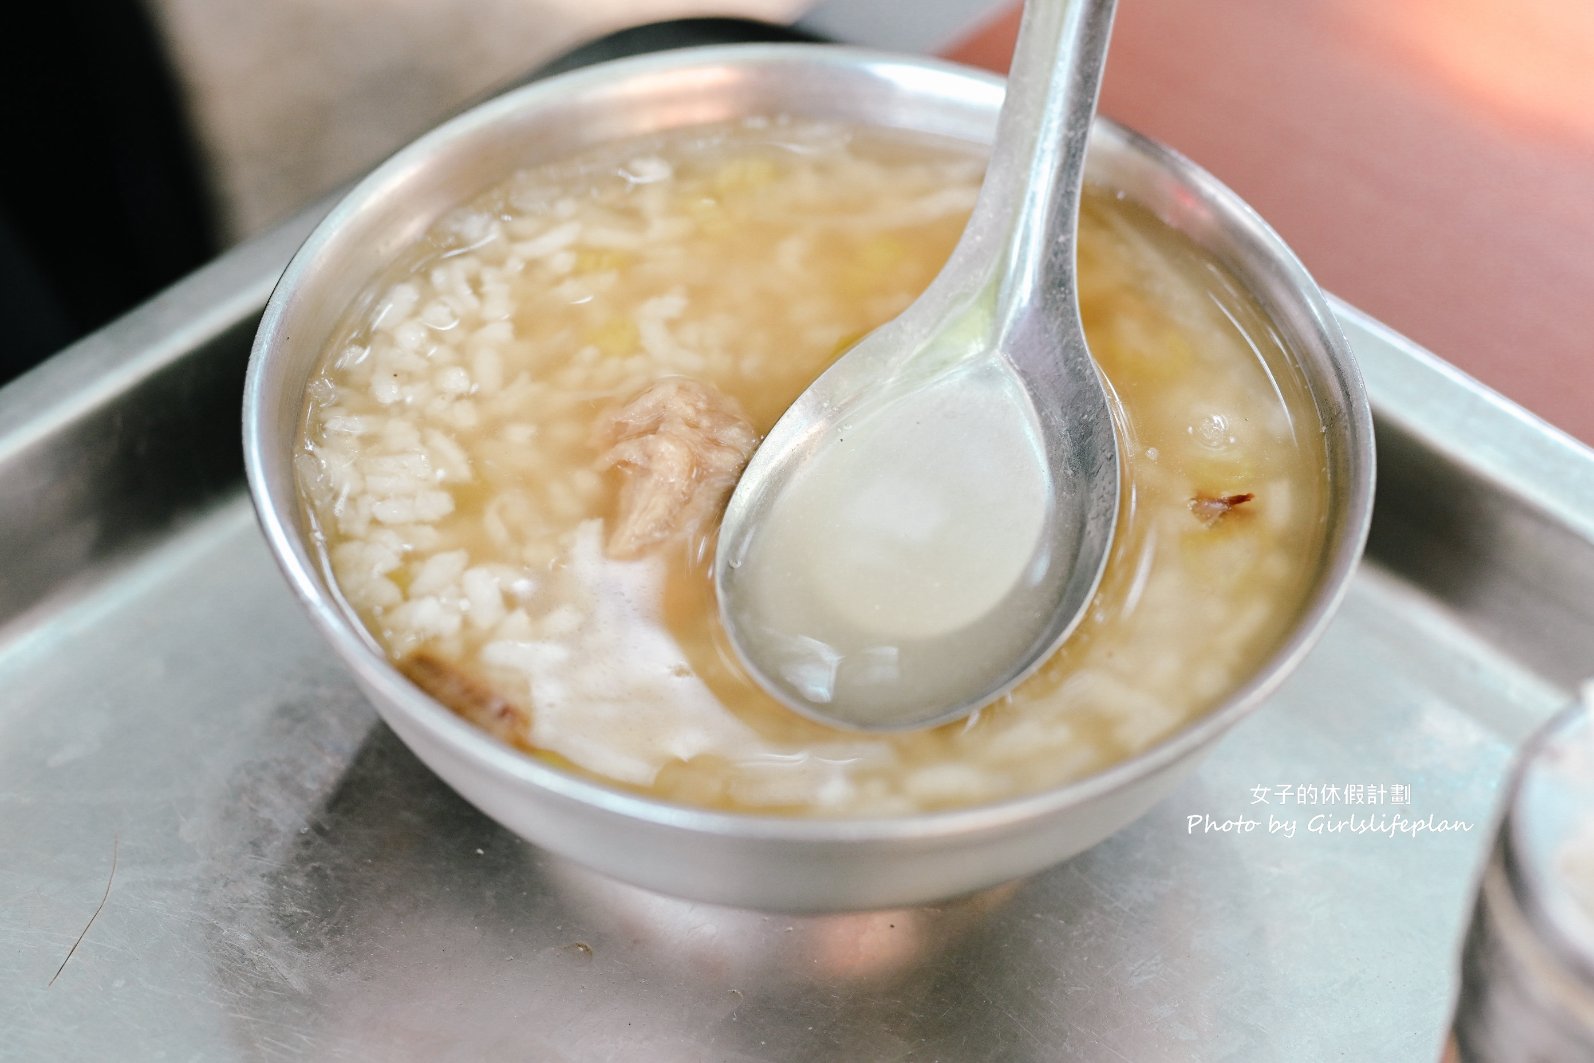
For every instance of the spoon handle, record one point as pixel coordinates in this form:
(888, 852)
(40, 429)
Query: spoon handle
(1039, 162)
(1048, 128)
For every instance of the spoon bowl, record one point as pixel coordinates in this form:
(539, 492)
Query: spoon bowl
(930, 519)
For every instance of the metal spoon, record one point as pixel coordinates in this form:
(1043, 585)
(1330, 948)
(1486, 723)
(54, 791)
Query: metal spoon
(927, 522)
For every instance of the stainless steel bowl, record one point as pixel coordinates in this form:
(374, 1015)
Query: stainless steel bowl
(746, 860)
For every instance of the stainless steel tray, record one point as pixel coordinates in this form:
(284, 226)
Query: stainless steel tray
(289, 883)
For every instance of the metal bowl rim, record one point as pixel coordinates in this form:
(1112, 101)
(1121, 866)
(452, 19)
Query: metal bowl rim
(263, 455)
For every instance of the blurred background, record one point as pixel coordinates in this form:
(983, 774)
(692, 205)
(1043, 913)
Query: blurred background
(155, 133)
(1432, 161)
(291, 97)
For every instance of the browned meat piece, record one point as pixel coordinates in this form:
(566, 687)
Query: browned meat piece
(1209, 509)
(466, 696)
(681, 445)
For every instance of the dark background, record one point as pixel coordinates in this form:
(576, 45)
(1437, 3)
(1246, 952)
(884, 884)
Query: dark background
(102, 199)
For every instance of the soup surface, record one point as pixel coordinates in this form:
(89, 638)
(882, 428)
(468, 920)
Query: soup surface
(515, 454)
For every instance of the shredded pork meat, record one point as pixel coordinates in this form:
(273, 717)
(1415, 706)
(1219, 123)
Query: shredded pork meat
(681, 445)
(466, 696)
(1209, 509)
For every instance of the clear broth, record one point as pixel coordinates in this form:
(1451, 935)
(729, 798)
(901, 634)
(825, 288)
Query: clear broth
(450, 466)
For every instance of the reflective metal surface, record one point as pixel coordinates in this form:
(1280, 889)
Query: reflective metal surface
(290, 883)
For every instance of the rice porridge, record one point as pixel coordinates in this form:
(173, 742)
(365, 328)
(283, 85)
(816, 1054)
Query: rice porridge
(515, 457)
